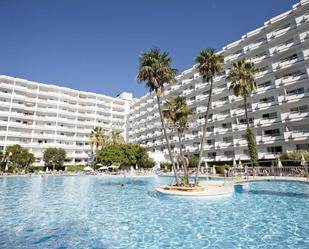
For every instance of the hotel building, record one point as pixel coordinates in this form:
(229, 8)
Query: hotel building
(279, 110)
(38, 116)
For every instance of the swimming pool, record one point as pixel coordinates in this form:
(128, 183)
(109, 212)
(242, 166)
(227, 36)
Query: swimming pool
(97, 212)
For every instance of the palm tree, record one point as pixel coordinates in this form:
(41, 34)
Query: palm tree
(177, 113)
(116, 137)
(209, 64)
(97, 138)
(155, 70)
(243, 83)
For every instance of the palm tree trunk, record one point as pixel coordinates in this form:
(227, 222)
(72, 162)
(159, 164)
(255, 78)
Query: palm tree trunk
(185, 166)
(246, 111)
(167, 140)
(204, 134)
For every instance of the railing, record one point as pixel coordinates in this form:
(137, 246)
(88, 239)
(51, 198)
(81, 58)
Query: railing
(275, 169)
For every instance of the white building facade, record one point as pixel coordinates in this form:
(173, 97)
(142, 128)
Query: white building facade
(279, 110)
(38, 116)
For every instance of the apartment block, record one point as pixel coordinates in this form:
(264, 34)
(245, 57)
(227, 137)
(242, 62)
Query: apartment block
(278, 110)
(38, 116)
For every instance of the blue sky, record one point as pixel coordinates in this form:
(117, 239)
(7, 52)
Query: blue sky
(94, 45)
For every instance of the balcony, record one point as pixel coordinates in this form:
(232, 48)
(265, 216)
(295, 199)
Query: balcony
(263, 105)
(187, 81)
(187, 92)
(296, 135)
(201, 97)
(294, 116)
(259, 59)
(304, 37)
(239, 126)
(221, 116)
(294, 97)
(302, 19)
(190, 137)
(283, 47)
(285, 63)
(191, 149)
(201, 109)
(264, 122)
(240, 142)
(254, 46)
(269, 139)
(280, 32)
(290, 79)
(263, 73)
(200, 86)
(234, 56)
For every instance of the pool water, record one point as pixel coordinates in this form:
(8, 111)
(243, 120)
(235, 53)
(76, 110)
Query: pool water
(97, 212)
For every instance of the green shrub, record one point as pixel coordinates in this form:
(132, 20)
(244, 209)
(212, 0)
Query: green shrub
(252, 146)
(220, 169)
(166, 165)
(33, 169)
(294, 155)
(124, 155)
(78, 167)
(193, 161)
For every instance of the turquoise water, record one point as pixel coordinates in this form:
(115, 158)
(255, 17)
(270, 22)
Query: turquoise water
(97, 212)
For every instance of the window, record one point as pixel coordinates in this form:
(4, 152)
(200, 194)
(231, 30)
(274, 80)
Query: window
(196, 144)
(210, 129)
(262, 69)
(228, 139)
(269, 115)
(293, 74)
(226, 125)
(267, 99)
(296, 91)
(299, 109)
(212, 154)
(260, 54)
(264, 84)
(229, 153)
(224, 112)
(273, 132)
(244, 121)
(289, 58)
(301, 128)
(302, 147)
(243, 106)
(226, 98)
(274, 149)
(211, 142)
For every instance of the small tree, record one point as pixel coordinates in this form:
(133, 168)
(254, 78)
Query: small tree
(124, 155)
(17, 158)
(54, 157)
